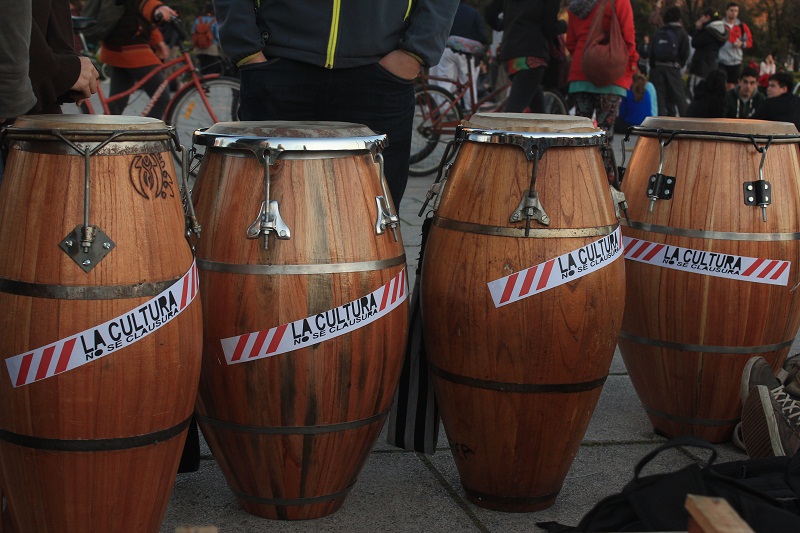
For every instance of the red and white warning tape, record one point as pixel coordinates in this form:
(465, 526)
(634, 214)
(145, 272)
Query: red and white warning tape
(317, 328)
(752, 269)
(109, 337)
(556, 271)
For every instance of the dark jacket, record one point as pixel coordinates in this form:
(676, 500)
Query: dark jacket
(683, 46)
(54, 64)
(528, 27)
(783, 108)
(735, 107)
(706, 42)
(353, 33)
(469, 23)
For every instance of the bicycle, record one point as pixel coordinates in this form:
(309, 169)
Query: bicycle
(438, 111)
(200, 102)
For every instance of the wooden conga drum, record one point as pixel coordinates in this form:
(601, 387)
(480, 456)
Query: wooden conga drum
(711, 264)
(306, 315)
(521, 318)
(100, 327)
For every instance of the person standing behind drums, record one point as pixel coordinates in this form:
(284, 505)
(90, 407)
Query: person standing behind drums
(528, 27)
(133, 47)
(16, 92)
(590, 100)
(57, 72)
(353, 61)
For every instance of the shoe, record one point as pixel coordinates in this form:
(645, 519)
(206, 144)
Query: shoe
(758, 372)
(771, 423)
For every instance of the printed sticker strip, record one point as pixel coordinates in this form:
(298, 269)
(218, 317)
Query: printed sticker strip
(738, 267)
(317, 328)
(109, 337)
(557, 271)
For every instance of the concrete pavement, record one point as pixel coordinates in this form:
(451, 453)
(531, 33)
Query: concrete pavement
(401, 491)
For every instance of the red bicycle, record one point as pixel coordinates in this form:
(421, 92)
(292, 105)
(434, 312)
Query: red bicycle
(201, 101)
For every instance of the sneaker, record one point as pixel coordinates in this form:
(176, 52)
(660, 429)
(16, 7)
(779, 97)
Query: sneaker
(771, 423)
(758, 372)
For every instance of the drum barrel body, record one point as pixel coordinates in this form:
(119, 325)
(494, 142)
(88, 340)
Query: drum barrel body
(292, 431)
(517, 384)
(95, 447)
(688, 332)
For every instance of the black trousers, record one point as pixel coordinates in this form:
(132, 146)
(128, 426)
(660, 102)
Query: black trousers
(282, 89)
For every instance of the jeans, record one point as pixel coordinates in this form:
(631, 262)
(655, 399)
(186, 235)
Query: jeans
(123, 79)
(282, 89)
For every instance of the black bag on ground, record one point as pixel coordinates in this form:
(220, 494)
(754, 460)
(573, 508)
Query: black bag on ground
(764, 495)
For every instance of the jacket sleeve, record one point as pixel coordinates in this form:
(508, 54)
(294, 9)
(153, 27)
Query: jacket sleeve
(625, 16)
(684, 48)
(429, 25)
(55, 66)
(492, 15)
(238, 29)
(749, 43)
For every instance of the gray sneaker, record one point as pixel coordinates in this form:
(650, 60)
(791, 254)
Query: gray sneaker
(758, 372)
(771, 423)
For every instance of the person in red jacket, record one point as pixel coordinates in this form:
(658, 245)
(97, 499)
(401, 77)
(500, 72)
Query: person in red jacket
(590, 100)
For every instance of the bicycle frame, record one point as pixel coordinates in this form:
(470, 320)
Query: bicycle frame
(444, 127)
(188, 66)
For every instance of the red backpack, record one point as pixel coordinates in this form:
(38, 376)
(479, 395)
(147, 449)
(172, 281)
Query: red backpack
(202, 36)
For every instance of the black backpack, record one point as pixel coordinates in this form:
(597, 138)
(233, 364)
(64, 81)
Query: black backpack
(664, 45)
(762, 491)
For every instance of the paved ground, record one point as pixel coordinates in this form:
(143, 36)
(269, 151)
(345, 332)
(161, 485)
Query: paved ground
(400, 491)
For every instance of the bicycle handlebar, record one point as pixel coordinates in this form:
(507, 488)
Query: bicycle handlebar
(177, 24)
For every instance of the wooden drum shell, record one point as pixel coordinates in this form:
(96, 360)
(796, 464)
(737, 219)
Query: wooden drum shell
(517, 384)
(58, 473)
(686, 336)
(292, 431)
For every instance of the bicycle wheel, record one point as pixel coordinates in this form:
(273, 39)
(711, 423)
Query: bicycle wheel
(434, 107)
(187, 112)
(554, 104)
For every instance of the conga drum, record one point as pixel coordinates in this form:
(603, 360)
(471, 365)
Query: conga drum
(711, 263)
(522, 294)
(305, 313)
(100, 326)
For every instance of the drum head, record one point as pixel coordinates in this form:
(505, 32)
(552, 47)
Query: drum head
(290, 129)
(531, 122)
(89, 122)
(283, 137)
(721, 125)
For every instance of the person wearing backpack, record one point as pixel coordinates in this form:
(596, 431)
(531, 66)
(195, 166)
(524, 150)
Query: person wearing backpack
(205, 39)
(669, 50)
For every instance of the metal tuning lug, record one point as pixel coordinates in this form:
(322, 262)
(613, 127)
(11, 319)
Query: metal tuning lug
(661, 187)
(81, 246)
(530, 208)
(758, 193)
(386, 219)
(269, 220)
(620, 202)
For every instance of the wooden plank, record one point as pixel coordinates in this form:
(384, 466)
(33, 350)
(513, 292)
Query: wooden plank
(713, 515)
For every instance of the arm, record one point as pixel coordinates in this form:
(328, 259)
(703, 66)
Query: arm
(238, 31)
(749, 43)
(551, 28)
(16, 93)
(428, 28)
(625, 16)
(683, 48)
(492, 15)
